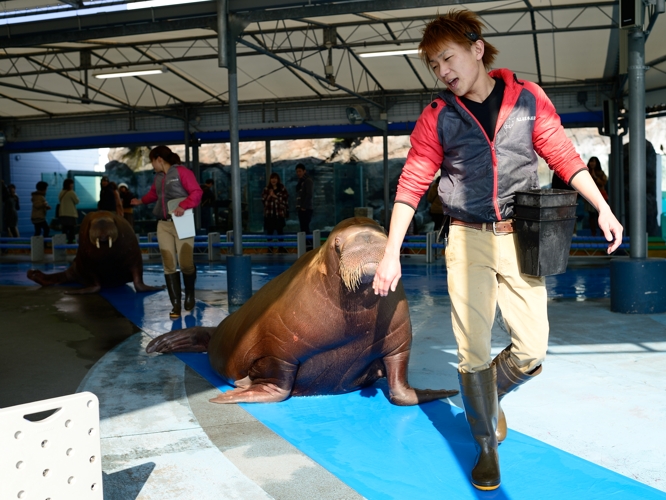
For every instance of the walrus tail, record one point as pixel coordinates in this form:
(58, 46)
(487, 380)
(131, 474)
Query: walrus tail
(195, 339)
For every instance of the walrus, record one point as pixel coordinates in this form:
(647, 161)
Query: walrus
(108, 256)
(318, 328)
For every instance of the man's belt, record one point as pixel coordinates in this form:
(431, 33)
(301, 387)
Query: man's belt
(500, 227)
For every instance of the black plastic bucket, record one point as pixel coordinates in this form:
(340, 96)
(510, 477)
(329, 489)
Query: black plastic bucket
(545, 220)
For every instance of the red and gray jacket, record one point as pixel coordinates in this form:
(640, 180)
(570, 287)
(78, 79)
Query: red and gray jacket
(178, 182)
(479, 176)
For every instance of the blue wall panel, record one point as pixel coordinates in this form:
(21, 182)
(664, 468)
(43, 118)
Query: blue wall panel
(26, 169)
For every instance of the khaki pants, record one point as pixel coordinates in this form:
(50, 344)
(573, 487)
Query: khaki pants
(174, 249)
(483, 271)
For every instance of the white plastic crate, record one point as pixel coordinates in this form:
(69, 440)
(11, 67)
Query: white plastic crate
(58, 458)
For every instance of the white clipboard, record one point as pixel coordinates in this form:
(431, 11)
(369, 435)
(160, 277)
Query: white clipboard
(185, 223)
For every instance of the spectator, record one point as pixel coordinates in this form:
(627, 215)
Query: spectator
(109, 199)
(68, 214)
(304, 191)
(600, 179)
(10, 209)
(39, 209)
(126, 197)
(276, 203)
(207, 202)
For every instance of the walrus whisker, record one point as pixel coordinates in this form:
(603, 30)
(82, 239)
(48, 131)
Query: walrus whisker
(97, 242)
(351, 277)
(110, 242)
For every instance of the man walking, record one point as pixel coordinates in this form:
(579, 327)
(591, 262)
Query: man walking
(482, 133)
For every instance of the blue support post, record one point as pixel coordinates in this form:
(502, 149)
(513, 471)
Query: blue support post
(638, 284)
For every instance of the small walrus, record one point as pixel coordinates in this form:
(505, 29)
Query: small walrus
(318, 328)
(108, 256)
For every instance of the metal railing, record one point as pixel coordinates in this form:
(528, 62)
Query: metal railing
(216, 245)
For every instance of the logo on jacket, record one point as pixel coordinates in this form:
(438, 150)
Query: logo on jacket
(173, 180)
(526, 118)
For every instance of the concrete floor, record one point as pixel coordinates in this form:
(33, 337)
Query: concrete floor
(601, 396)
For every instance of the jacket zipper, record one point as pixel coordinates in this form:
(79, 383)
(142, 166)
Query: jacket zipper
(491, 144)
(163, 195)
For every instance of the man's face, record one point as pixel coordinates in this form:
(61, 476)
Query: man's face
(458, 66)
(300, 172)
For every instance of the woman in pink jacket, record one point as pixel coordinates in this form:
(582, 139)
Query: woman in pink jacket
(172, 181)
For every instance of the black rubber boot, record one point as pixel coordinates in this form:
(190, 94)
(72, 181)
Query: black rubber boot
(189, 280)
(173, 287)
(479, 395)
(509, 378)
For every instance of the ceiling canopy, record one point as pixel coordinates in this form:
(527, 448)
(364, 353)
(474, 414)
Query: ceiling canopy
(303, 54)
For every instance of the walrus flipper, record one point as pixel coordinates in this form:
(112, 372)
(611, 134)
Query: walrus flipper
(139, 285)
(270, 380)
(256, 393)
(193, 339)
(50, 279)
(400, 393)
(142, 287)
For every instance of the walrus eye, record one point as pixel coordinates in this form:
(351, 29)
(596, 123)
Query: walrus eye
(110, 242)
(97, 242)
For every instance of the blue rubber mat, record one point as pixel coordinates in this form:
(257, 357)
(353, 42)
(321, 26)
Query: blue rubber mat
(387, 452)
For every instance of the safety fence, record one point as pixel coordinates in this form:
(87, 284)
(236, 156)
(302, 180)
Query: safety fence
(216, 245)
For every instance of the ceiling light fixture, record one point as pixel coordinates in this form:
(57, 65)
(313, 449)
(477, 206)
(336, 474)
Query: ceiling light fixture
(158, 3)
(137, 72)
(407, 52)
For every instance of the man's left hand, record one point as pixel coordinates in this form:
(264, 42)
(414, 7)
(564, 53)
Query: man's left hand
(178, 211)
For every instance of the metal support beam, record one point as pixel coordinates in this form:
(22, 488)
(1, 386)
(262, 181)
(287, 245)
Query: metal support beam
(196, 170)
(637, 179)
(203, 15)
(291, 70)
(616, 177)
(22, 102)
(387, 217)
(186, 135)
(77, 4)
(407, 59)
(342, 8)
(535, 41)
(222, 30)
(232, 70)
(308, 72)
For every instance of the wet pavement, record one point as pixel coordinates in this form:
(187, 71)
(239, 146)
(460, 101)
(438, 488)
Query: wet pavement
(601, 396)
